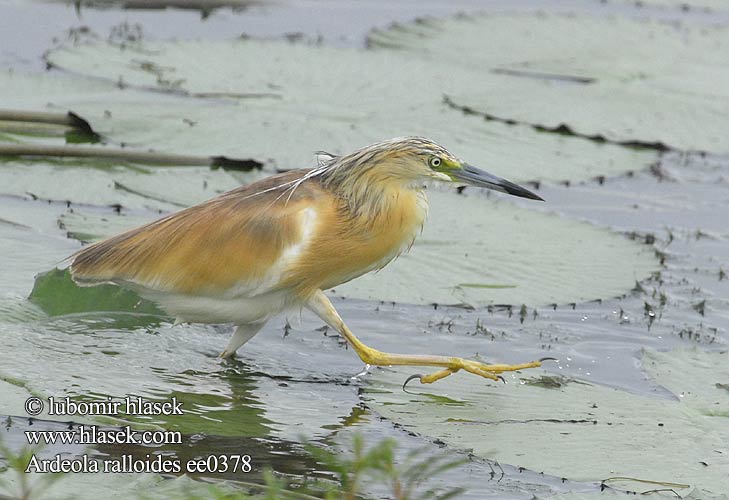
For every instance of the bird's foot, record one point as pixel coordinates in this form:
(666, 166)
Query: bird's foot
(493, 371)
(482, 369)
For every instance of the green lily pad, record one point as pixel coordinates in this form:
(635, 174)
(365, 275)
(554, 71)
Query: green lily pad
(621, 79)
(311, 97)
(56, 293)
(582, 432)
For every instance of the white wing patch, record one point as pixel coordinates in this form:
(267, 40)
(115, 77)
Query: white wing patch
(308, 222)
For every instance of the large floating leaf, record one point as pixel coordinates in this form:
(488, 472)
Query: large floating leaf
(57, 294)
(477, 251)
(285, 100)
(626, 80)
(582, 431)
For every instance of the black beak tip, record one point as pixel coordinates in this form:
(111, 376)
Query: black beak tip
(476, 177)
(524, 193)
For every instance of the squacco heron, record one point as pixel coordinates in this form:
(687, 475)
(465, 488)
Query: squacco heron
(279, 243)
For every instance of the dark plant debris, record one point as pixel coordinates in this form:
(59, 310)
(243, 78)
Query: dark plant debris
(551, 381)
(561, 129)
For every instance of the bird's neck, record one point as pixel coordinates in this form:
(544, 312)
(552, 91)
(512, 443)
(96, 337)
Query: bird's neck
(373, 196)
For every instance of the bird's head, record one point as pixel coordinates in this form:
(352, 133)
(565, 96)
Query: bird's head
(414, 159)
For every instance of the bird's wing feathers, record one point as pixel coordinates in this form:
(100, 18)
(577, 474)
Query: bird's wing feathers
(234, 245)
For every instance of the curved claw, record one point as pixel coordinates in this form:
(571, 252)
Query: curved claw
(542, 360)
(501, 378)
(407, 380)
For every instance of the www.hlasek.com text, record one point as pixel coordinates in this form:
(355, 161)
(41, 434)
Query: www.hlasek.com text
(91, 434)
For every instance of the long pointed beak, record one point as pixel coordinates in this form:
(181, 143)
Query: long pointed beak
(477, 177)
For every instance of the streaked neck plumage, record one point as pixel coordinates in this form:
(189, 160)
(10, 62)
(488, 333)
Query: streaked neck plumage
(372, 182)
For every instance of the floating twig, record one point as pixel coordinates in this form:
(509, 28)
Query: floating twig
(665, 484)
(124, 154)
(69, 119)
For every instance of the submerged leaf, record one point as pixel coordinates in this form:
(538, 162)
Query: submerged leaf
(550, 381)
(56, 293)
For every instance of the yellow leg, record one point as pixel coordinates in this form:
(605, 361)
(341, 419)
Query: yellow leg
(322, 307)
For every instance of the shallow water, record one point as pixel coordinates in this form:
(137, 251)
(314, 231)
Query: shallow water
(300, 383)
(310, 370)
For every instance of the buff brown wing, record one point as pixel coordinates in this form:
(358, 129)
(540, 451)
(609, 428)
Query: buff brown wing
(226, 245)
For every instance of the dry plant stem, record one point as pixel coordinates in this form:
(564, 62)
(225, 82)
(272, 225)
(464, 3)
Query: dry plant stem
(69, 119)
(145, 157)
(647, 481)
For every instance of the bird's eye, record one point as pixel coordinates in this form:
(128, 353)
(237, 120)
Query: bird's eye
(435, 162)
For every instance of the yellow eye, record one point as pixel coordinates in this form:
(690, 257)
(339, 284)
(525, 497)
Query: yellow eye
(435, 162)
